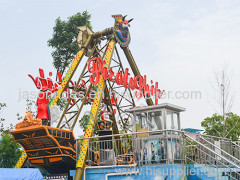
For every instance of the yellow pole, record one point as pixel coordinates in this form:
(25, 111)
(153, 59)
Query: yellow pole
(93, 114)
(70, 72)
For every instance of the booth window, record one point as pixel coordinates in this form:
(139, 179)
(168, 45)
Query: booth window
(172, 120)
(155, 120)
(175, 121)
(141, 121)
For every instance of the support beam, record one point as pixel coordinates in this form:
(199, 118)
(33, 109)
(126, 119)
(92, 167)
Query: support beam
(135, 69)
(74, 90)
(80, 108)
(81, 161)
(70, 72)
(105, 32)
(114, 125)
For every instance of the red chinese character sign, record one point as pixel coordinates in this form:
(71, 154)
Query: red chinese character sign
(95, 66)
(47, 86)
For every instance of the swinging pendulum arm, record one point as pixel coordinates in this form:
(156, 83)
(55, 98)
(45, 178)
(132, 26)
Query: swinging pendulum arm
(75, 88)
(136, 72)
(135, 69)
(70, 72)
(81, 160)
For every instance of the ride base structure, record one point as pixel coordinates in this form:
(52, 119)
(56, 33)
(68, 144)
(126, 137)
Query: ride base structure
(151, 145)
(53, 149)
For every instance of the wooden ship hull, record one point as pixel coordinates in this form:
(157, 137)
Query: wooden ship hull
(51, 148)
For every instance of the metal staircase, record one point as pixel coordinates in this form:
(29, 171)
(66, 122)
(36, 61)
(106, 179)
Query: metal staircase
(209, 161)
(226, 144)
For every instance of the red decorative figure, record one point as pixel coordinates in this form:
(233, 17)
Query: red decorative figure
(46, 88)
(105, 113)
(42, 106)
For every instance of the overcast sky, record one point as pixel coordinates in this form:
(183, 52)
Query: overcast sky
(176, 43)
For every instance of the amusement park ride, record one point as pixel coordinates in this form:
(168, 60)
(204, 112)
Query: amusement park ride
(109, 88)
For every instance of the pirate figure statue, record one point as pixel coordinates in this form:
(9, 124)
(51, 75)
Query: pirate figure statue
(46, 88)
(42, 105)
(121, 31)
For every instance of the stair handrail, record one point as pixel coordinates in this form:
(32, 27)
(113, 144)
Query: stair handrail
(206, 168)
(236, 144)
(209, 149)
(223, 138)
(236, 159)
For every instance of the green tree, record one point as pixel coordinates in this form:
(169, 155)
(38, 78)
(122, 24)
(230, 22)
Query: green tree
(64, 38)
(214, 126)
(9, 150)
(2, 120)
(84, 122)
(223, 95)
(61, 103)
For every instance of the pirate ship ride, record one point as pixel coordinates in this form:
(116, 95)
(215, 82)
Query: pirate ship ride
(152, 144)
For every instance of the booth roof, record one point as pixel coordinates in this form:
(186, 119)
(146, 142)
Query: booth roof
(192, 130)
(159, 106)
